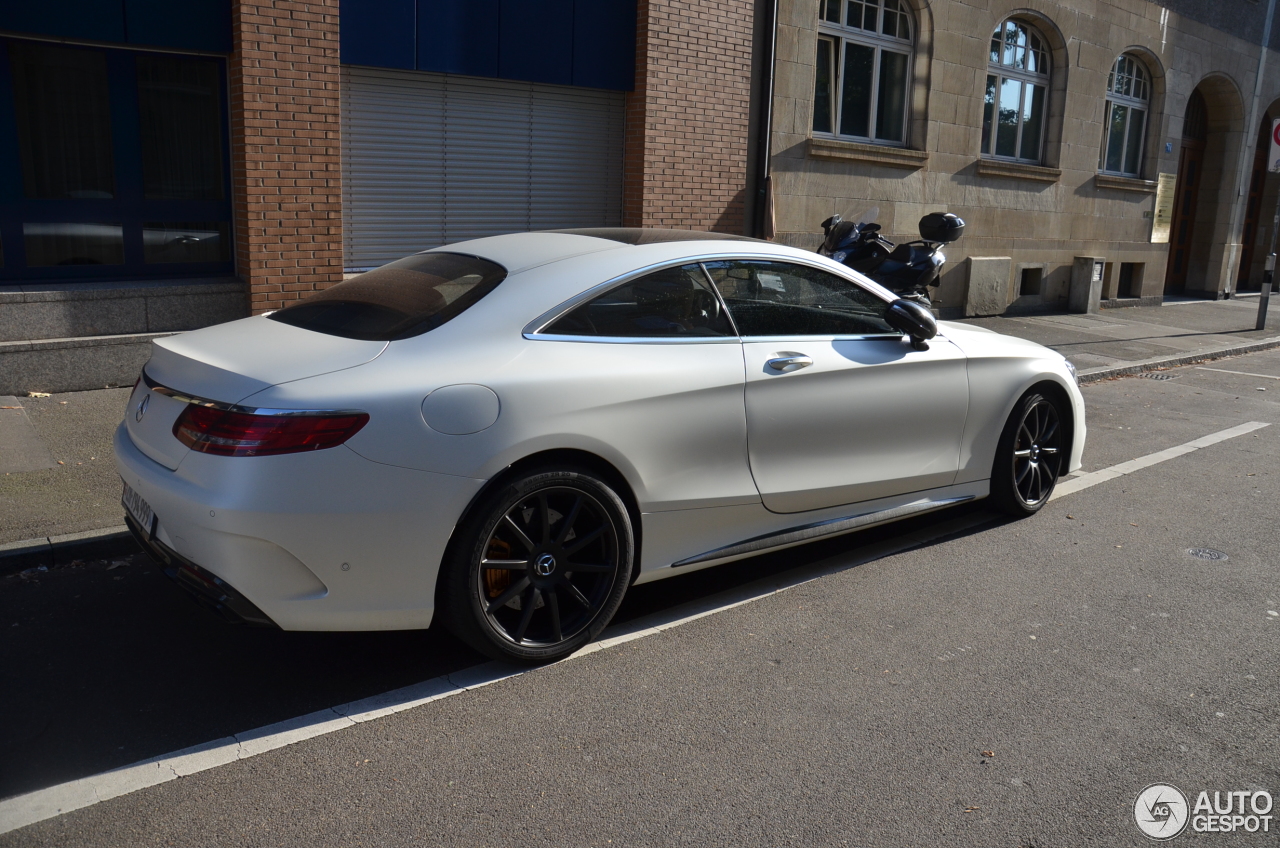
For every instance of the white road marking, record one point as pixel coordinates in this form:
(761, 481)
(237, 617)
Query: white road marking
(42, 804)
(1093, 478)
(1241, 373)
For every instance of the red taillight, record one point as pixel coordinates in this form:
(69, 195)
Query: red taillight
(227, 433)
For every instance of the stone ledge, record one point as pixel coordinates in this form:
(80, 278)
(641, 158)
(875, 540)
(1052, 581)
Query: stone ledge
(879, 154)
(31, 311)
(1018, 170)
(1131, 302)
(87, 341)
(1124, 183)
(43, 292)
(73, 365)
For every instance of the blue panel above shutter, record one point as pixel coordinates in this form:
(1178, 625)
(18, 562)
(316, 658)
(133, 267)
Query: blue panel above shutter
(90, 19)
(589, 43)
(536, 41)
(458, 37)
(604, 44)
(189, 25)
(378, 33)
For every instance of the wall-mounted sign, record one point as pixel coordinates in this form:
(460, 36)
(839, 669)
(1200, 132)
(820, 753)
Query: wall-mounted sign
(1162, 221)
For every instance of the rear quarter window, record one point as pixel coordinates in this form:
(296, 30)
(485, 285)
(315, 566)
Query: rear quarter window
(406, 298)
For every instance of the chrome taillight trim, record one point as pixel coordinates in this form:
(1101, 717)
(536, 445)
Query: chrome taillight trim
(161, 389)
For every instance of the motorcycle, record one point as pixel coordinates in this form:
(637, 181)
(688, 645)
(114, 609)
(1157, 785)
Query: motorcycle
(910, 269)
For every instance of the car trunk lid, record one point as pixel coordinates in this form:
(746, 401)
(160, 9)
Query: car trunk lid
(225, 364)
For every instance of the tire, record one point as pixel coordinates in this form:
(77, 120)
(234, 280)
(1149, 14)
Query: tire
(539, 567)
(1029, 456)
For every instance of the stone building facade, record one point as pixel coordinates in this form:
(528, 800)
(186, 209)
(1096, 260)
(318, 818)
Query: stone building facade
(1040, 208)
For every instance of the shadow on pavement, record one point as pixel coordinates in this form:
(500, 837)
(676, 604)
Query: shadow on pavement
(107, 663)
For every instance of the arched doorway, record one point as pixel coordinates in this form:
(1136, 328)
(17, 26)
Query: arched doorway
(1202, 248)
(1259, 211)
(1195, 128)
(1253, 237)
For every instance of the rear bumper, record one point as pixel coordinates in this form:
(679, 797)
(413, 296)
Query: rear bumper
(324, 540)
(208, 590)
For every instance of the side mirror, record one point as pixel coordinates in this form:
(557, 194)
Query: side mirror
(911, 318)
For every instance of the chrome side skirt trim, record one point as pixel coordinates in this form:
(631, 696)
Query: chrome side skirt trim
(819, 529)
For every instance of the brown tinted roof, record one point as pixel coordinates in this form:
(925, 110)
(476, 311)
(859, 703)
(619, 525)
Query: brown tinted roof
(648, 235)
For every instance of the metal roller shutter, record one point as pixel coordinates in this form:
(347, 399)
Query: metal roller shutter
(430, 159)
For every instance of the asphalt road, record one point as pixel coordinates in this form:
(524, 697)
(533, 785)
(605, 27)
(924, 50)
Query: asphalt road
(1015, 685)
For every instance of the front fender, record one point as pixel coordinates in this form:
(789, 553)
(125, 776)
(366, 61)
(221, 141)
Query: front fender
(1001, 370)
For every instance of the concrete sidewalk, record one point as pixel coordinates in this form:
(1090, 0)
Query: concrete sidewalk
(57, 471)
(59, 491)
(1135, 339)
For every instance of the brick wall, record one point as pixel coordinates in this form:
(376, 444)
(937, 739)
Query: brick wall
(687, 128)
(285, 148)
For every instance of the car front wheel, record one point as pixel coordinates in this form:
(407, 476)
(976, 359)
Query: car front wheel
(540, 568)
(1029, 456)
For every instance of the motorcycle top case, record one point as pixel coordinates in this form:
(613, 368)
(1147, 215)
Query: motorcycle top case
(941, 227)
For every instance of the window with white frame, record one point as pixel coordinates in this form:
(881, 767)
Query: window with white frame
(863, 74)
(1017, 94)
(1128, 99)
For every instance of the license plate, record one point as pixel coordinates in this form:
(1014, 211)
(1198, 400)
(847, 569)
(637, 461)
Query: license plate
(139, 509)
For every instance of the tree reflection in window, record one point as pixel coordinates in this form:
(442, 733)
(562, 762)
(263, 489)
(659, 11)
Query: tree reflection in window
(863, 70)
(1124, 127)
(1016, 92)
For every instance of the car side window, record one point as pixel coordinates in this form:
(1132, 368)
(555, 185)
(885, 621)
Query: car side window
(671, 302)
(768, 298)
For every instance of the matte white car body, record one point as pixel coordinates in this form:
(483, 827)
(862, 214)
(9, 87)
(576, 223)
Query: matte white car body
(352, 537)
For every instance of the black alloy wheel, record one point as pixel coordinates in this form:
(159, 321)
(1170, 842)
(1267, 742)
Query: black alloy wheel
(543, 567)
(1029, 457)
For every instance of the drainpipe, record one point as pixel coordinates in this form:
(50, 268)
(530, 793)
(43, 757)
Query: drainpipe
(764, 223)
(1250, 138)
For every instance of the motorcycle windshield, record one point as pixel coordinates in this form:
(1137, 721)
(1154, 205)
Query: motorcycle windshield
(862, 218)
(846, 232)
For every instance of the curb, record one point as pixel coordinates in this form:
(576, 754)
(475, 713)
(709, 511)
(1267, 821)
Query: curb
(53, 551)
(1157, 363)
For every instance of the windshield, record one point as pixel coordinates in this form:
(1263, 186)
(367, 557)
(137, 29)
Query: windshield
(867, 217)
(405, 298)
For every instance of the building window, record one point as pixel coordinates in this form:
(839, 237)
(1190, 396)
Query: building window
(117, 163)
(1017, 92)
(863, 70)
(1128, 96)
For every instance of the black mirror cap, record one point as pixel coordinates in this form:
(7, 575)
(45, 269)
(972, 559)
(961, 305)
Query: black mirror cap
(941, 227)
(911, 318)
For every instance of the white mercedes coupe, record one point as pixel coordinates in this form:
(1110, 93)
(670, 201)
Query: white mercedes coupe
(513, 430)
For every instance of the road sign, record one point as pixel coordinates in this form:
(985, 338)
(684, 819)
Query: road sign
(1273, 158)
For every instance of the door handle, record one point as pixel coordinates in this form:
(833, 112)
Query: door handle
(790, 362)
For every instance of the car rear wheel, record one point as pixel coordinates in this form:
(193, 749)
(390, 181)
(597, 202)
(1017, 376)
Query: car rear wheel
(540, 566)
(1029, 456)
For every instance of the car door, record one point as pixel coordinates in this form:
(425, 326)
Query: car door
(648, 372)
(840, 407)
